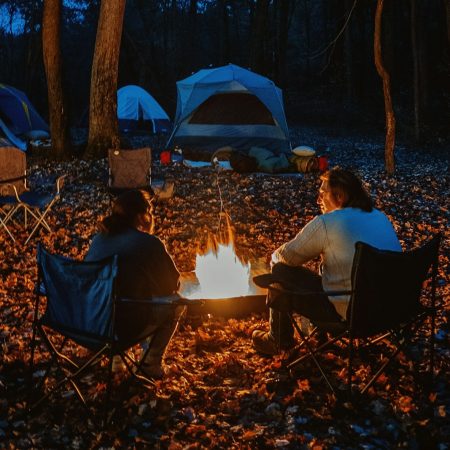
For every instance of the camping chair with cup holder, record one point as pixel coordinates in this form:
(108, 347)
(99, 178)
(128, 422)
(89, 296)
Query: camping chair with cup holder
(386, 306)
(80, 309)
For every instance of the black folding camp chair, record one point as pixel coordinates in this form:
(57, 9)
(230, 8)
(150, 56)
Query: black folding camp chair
(80, 308)
(386, 304)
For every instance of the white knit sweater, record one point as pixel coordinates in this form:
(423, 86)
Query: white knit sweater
(332, 236)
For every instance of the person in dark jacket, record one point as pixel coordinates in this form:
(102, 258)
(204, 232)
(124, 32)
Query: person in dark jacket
(146, 270)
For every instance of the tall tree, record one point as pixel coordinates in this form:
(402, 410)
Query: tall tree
(389, 111)
(103, 126)
(51, 27)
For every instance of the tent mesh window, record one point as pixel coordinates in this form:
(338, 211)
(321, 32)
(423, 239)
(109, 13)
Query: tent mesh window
(232, 108)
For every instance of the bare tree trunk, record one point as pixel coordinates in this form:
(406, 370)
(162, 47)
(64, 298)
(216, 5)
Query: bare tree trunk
(416, 73)
(51, 26)
(390, 117)
(103, 126)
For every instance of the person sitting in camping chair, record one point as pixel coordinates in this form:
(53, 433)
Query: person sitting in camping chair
(145, 270)
(348, 216)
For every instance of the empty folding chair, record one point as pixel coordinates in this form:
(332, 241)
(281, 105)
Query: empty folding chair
(12, 179)
(38, 205)
(386, 304)
(130, 169)
(80, 308)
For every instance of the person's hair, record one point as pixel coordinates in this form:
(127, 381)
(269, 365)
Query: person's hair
(346, 185)
(126, 210)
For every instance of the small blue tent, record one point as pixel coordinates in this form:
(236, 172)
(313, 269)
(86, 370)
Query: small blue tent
(138, 110)
(230, 105)
(18, 118)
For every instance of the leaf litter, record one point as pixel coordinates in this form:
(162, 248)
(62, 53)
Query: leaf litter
(218, 392)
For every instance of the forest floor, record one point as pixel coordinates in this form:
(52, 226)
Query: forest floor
(220, 393)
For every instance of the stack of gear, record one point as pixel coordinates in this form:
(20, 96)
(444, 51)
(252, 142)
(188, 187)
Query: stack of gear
(304, 159)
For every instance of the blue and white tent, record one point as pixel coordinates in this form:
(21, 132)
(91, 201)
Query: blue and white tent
(232, 106)
(19, 120)
(138, 110)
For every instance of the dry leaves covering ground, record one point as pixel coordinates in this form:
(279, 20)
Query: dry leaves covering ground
(219, 393)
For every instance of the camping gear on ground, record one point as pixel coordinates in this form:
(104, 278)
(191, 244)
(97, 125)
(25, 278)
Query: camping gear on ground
(268, 161)
(303, 150)
(138, 110)
(177, 155)
(130, 169)
(163, 189)
(18, 119)
(229, 105)
(323, 163)
(305, 164)
(165, 157)
(243, 163)
(386, 305)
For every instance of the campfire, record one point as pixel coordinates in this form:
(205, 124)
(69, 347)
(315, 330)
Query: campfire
(219, 273)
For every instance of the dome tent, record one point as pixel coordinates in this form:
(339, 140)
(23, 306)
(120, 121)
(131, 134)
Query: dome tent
(137, 110)
(19, 120)
(229, 105)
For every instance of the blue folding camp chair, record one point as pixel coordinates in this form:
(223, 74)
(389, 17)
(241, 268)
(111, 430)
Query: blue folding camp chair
(80, 308)
(16, 196)
(37, 205)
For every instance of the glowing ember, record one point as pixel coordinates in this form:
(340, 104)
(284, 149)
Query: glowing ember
(221, 274)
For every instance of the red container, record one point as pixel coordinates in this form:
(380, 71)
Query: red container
(165, 157)
(323, 163)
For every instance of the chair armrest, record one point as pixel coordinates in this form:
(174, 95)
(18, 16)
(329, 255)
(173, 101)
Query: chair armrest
(60, 183)
(308, 293)
(14, 189)
(271, 281)
(173, 299)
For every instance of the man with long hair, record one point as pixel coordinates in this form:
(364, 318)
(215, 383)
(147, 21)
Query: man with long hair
(348, 216)
(146, 270)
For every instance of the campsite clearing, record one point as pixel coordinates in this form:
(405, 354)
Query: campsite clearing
(219, 393)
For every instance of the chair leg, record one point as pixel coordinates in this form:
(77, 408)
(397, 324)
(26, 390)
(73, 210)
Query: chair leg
(40, 217)
(108, 388)
(2, 223)
(311, 352)
(351, 351)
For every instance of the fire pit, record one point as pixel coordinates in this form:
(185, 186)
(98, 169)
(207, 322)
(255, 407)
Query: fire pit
(229, 290)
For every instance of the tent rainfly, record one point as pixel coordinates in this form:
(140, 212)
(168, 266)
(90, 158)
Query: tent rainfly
(232, 106)
(138, 110)
(19, 120)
